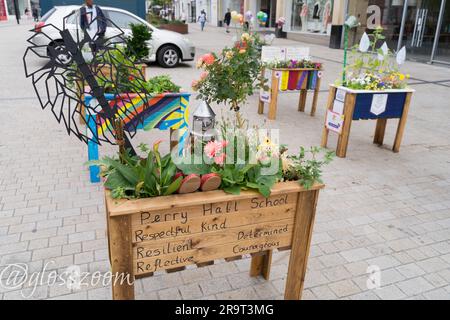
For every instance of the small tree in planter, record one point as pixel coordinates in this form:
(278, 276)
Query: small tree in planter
(231, 76)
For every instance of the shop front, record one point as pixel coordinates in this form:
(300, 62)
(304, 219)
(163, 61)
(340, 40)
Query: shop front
(308, 19)
(422, 26)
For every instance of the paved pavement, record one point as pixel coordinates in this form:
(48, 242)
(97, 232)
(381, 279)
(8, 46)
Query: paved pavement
(381, 209)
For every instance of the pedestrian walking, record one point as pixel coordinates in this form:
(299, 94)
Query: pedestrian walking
(202, 19)
(92, 19)
(183, 17)
(35, 13)
(227, 20)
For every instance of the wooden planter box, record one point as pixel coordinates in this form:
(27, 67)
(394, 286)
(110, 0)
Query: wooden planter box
(289, 80)
(175, 27)
(353, 105)
(171, 232)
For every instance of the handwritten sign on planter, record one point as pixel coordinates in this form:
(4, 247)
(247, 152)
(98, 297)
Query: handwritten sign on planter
(272, 53)
(174, 238)
(168, 233)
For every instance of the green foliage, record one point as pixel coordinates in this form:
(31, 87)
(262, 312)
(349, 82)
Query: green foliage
(305, 170)
(290, 64)
(369, 62)
(237, 177)
(374, 69)
(161, 84)
(133, 177)
(136, 44)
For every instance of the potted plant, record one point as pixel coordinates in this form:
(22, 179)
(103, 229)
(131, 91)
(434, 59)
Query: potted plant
(175, 26)
(151, 228)
(372, 87)
(374, 70)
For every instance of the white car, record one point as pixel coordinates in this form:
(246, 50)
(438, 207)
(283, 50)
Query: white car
(166, 47)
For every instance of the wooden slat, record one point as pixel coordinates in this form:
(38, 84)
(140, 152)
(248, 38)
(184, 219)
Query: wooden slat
(301, 241)
(163, 247)
(123, 206)
(315, 97)
(210, 253)
(182, 215)
(121, 257)
(198, 226)
(273, 104)
(284, 248)
(325, 132)
(172, 270)
(205, 264)
(235, 258)
(261, 264)
(349, 107)
(379, 131)
(402, 123)
(302, 100)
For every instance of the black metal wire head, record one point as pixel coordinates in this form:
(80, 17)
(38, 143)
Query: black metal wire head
(87, 60)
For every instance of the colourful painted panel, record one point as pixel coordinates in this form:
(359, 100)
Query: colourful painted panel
(284, 80)
(303, 80)
(163, 111)
(294, 75)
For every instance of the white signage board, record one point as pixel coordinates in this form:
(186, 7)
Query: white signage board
(334, 122)
(270, 54)
(338, 107)
(264, 95)
(379, 102)
(340, 95)
(297, 53)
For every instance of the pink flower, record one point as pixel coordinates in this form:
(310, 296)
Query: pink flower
(208, 58)
(194, 84)
(203, 75)
(220, 160)
(212, 148)
(224, 143)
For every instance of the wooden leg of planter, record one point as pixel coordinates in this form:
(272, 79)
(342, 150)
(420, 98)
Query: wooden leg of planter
(173, 142)
(260, 107)
(379, 131)
(325, 132)
(302, 100)
(349, 107)
(315, 97)
(261, 265)
(301, 239)
(273, 96)
(121, 257)
(402, 124)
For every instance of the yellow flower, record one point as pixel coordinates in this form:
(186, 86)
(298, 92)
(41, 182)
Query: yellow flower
(242, 51)
(407, 76)
(229, 54)
(245, 36)
(401, 76)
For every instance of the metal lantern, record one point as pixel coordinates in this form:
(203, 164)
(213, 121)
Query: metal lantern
(203, 121)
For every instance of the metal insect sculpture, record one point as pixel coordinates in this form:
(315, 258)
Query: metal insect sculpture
(89, 60)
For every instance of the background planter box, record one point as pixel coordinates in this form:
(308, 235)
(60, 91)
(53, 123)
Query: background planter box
(366, 105)
(176, 27)
(289, 79)
(168, 233)
(164, 111)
